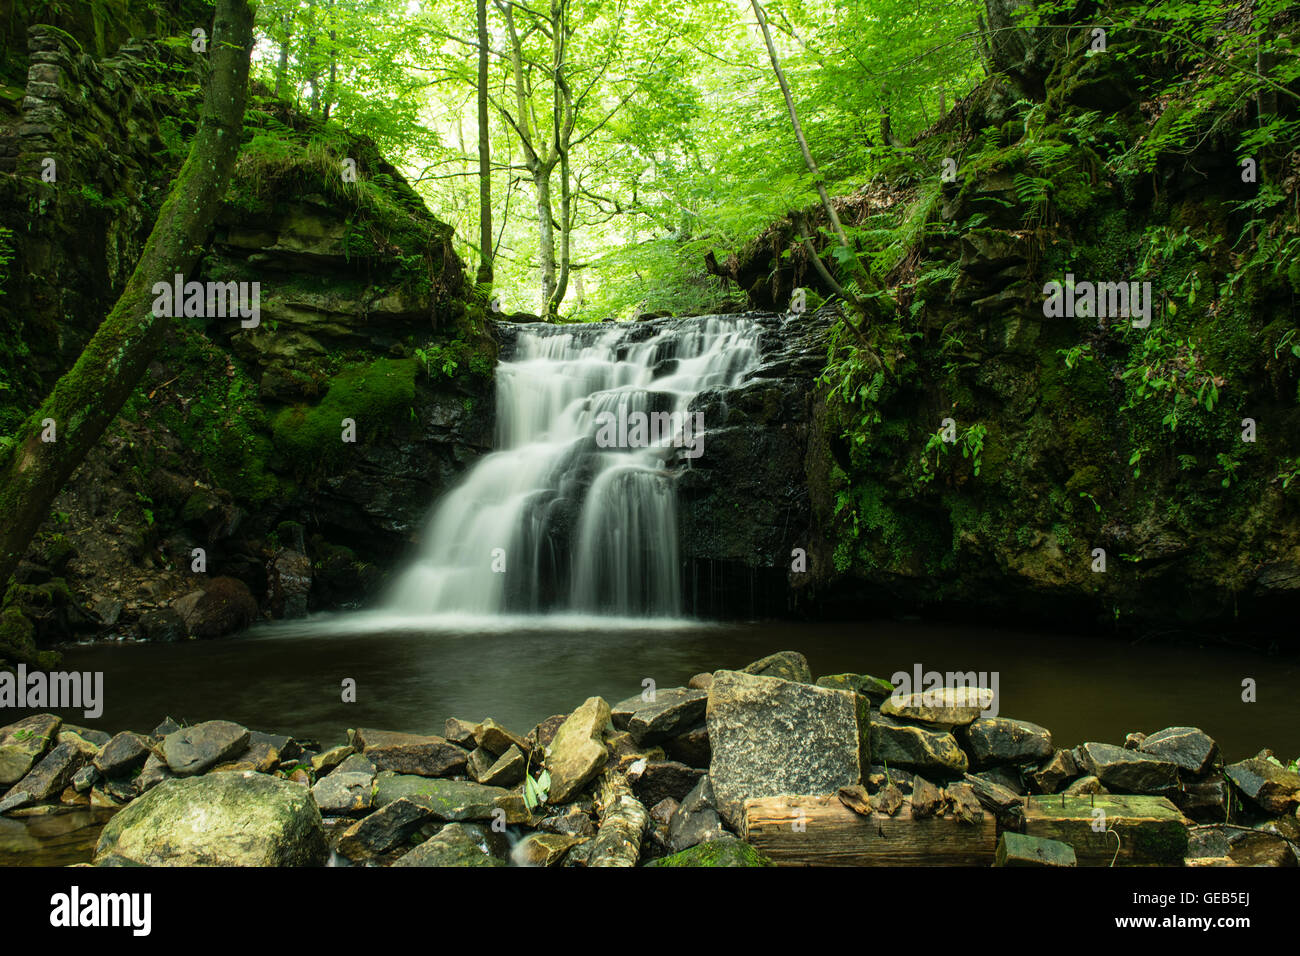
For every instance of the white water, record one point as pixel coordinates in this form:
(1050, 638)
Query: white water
(579, 529)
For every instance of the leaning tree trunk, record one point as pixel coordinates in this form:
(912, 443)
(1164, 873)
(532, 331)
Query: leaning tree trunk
(87, 398)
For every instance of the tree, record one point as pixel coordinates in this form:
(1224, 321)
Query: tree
(49, 446)
(484, 150)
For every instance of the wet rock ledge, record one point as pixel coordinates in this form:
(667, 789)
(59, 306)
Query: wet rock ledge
(754, 767)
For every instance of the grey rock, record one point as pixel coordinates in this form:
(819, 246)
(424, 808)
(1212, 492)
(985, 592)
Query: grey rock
(192, 750)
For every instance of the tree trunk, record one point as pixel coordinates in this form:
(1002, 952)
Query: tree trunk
(282, 68)
(545, 235)
(484, 153)
(87, 398)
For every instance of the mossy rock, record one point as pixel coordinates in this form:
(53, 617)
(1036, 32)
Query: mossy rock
(716, 853)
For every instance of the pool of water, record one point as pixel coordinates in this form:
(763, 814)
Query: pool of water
(411, 674)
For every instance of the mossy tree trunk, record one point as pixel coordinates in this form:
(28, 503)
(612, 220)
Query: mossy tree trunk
(87, 398)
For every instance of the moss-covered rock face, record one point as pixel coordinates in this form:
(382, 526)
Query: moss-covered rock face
(983, 452)
(721, 853)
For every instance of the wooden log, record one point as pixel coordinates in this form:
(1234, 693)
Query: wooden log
(1135, 830)
(821, 831)
(623, 822)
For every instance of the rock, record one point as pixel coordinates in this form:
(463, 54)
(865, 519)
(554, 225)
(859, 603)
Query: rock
(927, 799)
(123, 754)
(507, 771)
(453, 845)
(153, 773)
(577, 753)
(91, 736)
(662, 812)
(55, 770)
(163, 626)
(225, 607)
(1189, 748)
(450, 800)
(1002, 801)
(15, 800)
(168, 726)
(544, 733)
(323, 763)
(226, 819)
(1269, 786)
(1242, 846)
(1129, 771)
(691, 748)
(425, 756)
(664, 779)
(261, 756)
(479, 764)
(1134, 741)
(1016, 849)
(856, 799)
(672, 712)
(918, 748)
(23, 743)
(1054, 774)
(192, 750)
(732, 853)
(696, 819)
(495, 739)
(787, 665)
(382, 830)
(700, 682)
(875, 689)
(85, 778)
(1204, 800)
(1084, 786)
(993, 741)
(461, 732)
(572, 821)
(944, 707)
(288, 583)
(348, 791)
(755, 753)
(544, 849)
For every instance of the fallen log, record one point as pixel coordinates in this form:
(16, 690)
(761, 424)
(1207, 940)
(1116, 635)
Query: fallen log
(623, 822)
(822, 831)
(1105, 828)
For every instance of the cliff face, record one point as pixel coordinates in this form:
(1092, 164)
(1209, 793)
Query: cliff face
(298, 449)
(985, 452)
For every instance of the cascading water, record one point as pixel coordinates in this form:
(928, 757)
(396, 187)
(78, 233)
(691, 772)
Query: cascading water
(576, 510)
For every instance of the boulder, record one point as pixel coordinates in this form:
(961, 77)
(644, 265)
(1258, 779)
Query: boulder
(382, 830)
(424, 756)
(578, 752)
(772, 736)
(123, 754)
(1129, 771)
(913, 747)
(1054, 774)
(163, 625)
(544, 849)
(507, 770)
(1016, 849)
(673, 711)
(460, 732)
(875, 689)
(227, 819)
(992, 741)
(288, 583)
(192, 750)
(787, 665)
(453, 845)
(495, 739)
(225, 607)
(55, 770)
(23, 743)
(544, 733)
(1268, 785)
(944, 707)
(450, 800)
(349, 790)
(1189, 748)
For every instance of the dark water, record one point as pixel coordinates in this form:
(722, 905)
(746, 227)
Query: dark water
(288, 679)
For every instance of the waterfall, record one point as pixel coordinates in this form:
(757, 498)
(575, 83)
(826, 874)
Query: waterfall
(575, 510)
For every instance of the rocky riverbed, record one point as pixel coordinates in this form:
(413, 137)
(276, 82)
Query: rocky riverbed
(758, 766)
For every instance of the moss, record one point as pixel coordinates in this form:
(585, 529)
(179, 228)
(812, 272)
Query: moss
(18, 642)
(374, 395)
(717, 853)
